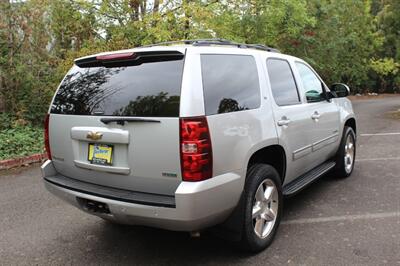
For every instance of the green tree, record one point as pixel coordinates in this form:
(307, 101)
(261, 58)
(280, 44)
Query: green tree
(264, 22)
(341, 43)
(72, 24)
(388, 22)
(25, 62)
(387, 70)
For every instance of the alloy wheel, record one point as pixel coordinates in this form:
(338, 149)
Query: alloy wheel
(349, 154)
(265, 208)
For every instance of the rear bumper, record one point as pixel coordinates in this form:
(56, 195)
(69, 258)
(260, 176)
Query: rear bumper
(195, 205)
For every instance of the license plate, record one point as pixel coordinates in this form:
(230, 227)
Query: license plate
(100, 154)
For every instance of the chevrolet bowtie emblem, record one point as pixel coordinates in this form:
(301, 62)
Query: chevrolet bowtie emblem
(94, 135)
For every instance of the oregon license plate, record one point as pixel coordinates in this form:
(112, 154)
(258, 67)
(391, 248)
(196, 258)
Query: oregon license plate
(100, 154)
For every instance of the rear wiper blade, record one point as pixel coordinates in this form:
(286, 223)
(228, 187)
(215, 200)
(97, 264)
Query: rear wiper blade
(122, 120)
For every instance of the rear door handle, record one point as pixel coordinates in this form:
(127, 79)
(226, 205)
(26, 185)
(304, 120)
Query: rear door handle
(315, 116)
(284, 121)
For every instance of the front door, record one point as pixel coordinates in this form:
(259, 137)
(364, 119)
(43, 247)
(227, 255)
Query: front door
(324, 114)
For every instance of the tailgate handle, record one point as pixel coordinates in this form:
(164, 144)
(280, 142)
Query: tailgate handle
(122, 120)
(103, 168)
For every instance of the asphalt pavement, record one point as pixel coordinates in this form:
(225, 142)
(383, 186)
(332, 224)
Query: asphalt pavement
(354, 221)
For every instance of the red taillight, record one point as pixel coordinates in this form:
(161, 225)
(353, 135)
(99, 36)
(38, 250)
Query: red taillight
(196, 152)
(46, 136)
(118, 56)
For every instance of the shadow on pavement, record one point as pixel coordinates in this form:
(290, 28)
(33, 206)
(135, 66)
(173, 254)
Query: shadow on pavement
(142, 245)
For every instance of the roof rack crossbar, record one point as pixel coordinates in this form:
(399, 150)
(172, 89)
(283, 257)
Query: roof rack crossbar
(208, 42)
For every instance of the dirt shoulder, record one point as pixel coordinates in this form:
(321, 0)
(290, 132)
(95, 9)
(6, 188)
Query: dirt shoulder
(369, 97)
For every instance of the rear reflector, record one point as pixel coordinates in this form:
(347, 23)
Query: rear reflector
(196, 152)
(46, 136)
(118, 56)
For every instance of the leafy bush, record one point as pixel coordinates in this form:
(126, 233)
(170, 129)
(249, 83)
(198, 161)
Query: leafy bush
(20, 141)
(6, 121)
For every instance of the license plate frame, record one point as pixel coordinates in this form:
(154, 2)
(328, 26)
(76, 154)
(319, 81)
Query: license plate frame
(101, 154)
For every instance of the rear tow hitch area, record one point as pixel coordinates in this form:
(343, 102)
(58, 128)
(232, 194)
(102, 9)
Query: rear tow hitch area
(195, 234)
(93, 206)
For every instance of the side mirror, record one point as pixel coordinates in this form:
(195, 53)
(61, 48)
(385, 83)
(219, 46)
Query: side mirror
(340, 89)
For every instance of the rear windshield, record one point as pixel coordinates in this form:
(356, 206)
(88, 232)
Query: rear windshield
(149, 89)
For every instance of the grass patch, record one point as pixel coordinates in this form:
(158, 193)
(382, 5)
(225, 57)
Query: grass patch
(20, 141)
(394, 114)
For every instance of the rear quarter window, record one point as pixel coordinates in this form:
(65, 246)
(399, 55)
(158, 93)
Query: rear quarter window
(230, 83)
(148, 89)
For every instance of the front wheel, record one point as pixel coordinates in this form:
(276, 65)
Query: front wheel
(262, 207)
(346, 155)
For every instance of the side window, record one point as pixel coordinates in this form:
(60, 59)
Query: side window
(283, 86)
(230, 83)
(311, 83)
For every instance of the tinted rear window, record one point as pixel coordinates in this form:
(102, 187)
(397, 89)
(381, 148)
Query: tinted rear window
(282, 82)
(230, 83)
(149, 89)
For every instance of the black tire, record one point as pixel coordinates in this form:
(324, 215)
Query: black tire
(256, 175)
(340, 168)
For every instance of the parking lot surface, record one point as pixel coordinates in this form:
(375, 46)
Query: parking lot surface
(354, 221)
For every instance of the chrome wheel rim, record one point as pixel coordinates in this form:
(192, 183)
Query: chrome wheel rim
(265, 208)
(349, 153)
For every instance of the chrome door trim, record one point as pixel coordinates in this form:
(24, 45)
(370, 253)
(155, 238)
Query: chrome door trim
(108, 135)
(315, 146)
(302, 152)
(324, 142)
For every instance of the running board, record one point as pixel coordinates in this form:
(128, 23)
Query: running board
(307, 178)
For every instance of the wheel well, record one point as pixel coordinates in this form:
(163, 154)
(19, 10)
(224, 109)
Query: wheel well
(273, 155)
(351, 122)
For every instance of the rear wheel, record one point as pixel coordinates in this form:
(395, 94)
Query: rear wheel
(262, 207)
(346, 154)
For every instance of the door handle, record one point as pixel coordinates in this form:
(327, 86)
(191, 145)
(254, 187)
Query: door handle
(315, 116)
(284, 121)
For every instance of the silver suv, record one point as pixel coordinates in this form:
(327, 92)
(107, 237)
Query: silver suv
(186, 136)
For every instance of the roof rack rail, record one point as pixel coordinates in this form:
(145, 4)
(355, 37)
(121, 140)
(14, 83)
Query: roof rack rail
(263, 47)
(222, 42)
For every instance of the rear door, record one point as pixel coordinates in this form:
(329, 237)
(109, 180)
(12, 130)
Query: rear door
(294, 126)
(114, 121)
